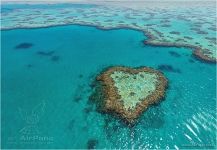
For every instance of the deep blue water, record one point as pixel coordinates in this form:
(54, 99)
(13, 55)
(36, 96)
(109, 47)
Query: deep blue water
(46, 85)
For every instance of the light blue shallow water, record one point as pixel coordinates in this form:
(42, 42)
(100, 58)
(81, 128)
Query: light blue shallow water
(45, 97)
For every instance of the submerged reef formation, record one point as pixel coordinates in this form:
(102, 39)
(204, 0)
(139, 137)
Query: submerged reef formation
(24, 46)
(179, 24)
(127, 92)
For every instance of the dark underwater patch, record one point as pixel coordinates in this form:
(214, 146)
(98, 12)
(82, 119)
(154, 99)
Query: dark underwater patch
(43, 53)
(191, 61)
(78, 93)
(188, 37)
(23, 46)
(212, 28)
(194, 29)
(80, 76)
(71, 124)
(211, 39)
(166, 25)
(55, 58)
(92, 143)
(202, 32)
(29, 66)
(175, 32)
(149, 24)
(77, 98)
(87, 110)
(168, 68)
(164, 21)
(174, 54)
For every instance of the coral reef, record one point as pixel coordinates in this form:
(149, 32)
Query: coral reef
(161, 24)
(127, 92)
(199, 54)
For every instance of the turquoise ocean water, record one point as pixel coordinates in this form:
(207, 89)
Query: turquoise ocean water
(45, 90)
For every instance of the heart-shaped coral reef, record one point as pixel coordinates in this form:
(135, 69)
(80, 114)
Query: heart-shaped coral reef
(128, 92)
